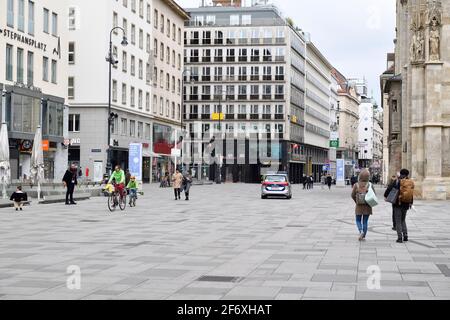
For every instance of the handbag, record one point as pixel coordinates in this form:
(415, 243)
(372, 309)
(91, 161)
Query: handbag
(371, 197)
(393, 196)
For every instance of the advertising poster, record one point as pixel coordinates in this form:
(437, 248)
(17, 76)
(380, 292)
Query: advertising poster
(135, 160)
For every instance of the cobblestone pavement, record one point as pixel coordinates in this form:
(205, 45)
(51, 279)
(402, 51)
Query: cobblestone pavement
(226, 243)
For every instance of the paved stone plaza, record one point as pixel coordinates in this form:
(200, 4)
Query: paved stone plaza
(242, 246)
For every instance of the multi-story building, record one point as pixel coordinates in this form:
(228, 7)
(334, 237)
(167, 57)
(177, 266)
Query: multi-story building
(361, 86)
(317, 110)
(366, 133)
(145, 86)
(247, 91)
(33, 50)
(348, 122)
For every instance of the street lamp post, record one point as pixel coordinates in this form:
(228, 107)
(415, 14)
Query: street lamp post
(111, 61)
(182, 112)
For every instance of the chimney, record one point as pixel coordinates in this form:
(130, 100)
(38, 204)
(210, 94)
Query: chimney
(227, 3)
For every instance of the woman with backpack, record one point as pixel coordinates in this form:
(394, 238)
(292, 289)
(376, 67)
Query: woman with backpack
(362, 210)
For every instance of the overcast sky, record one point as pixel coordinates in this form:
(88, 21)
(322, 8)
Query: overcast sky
(354, 35)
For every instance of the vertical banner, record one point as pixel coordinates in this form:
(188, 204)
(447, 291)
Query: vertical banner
(340, 171)
(135, 160)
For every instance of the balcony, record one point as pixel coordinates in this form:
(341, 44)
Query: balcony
(280, 40)
(254, 97)
(206, 59)
(206, 78)
(279, 58)
(230, 78)
(243, 41)
(195, 41)
(267, 77)
(206, 97)
(231, 97)
(231, 59)
(194, 59)
(267, 96)
(218, 41)
(193, 97)
(279, 96)
(206, 116)
(242, 116)
(279, 77)
(267, 58)
(254, 116)
(243, 59)
(254, 77)
(218, 78)
(266, 116)
(267, 40)
(242, 78)
(193, 116)
(255, 59)
(218, 59)
(206, 41)
(255, 40)
(231, 41)
(230, 116)
(242, 97)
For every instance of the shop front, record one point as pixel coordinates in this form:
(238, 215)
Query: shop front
(163, 142)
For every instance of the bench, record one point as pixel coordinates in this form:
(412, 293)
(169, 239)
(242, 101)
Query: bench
(9, 204)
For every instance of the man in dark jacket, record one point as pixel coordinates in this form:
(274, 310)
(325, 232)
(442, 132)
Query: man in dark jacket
(400, 208)
(70, 181)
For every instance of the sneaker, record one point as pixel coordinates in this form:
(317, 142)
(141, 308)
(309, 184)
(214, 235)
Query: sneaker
(17, 209)
(361, 236)
(21, 209)
(405, 238)
(400, 240)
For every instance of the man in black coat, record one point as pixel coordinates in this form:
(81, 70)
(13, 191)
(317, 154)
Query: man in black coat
(70, 181)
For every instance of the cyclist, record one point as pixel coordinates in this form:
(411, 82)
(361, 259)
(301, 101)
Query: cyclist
(119, 176)
(132, 186)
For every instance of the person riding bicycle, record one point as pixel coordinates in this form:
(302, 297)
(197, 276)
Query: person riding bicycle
(132, 186)
(119, 176)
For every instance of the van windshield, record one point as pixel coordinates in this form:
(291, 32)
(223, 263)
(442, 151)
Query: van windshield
(276, 179)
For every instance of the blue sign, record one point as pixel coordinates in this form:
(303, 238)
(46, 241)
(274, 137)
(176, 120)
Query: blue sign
(326, 167)
(135, 160)
(340, 170)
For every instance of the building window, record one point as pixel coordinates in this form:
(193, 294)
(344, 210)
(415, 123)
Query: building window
(21, 16)
(148, 47)
(30, 68)
(162, 24)
(133, 34)
(10, 14)
(148, 76)
(155, 103)
(132, 128)
(161, 106)
(74, 123)
(147, 101)
(45, 68)
(133, 6)
(124, 123)
(140, 131)
(72, 19)
(9, 62)
(167, 108)
(71, 52)
(54, 71)
(54, 24)
(125, 3)
(125, 27)
(148, 132)
(31, 17)
(174, 32)
(115, 21)
(140, 97)
(19, 65)
(234, 20)
(149, 14)
(46, 20)
(141, 8)
(246, 20)
(71, 88)
(141, 39)
(167, 82)
(179, 36)
(124, 61)
(155, 19)
(114, 91)
(124, 93)
(141, 69)
(132, 97)
(133, 65)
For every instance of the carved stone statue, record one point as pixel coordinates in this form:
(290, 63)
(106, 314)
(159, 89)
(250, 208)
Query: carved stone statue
(417, 46)
(435, 39)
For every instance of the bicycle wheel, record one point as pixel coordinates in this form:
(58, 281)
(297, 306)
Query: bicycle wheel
(111, 199)
(123, 202)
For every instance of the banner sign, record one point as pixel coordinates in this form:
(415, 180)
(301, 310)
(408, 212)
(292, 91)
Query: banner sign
(135, 160)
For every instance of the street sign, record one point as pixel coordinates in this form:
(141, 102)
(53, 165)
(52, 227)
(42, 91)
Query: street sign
(334, 143)
(326, 167)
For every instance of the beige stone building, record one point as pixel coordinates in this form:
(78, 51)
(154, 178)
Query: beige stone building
(421, 111)
(348, 108)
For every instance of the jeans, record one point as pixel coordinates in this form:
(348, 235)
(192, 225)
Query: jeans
(393, 217)
(362, 223)
(400, 222)
(69, 192)
(177, 192)
(133, 193)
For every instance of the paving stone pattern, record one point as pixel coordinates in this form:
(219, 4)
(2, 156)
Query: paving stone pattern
(226, 243)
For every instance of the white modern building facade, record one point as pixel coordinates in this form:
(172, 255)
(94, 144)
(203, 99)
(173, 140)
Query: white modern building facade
(33, 50)
(366, 133)
(247, 88)
(145, 76)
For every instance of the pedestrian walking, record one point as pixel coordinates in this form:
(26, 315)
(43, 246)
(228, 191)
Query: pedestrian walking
(177, 180)
(329, 181)
(187, 183)
(401, 194)
(70, 180)
(362, 210)
(311, 181)
(353, 180)
(393, 179)
(304, 181)
(127, 177)
(323, 181)
(19, 197)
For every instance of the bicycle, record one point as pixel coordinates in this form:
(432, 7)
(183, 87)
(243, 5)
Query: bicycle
(115, 199)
